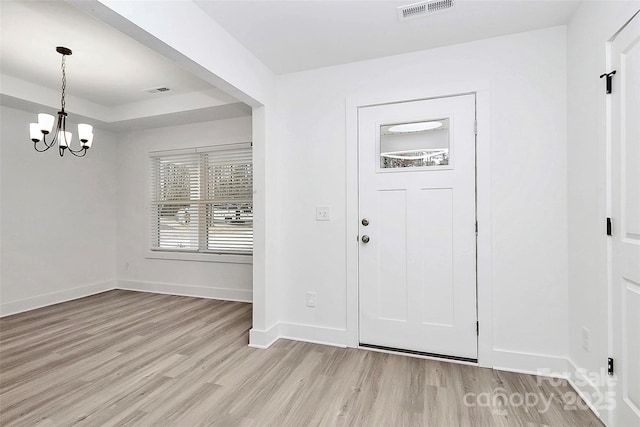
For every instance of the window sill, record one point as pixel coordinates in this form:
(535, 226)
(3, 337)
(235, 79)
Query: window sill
(199, 257)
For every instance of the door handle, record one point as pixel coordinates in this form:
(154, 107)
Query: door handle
(365, 239)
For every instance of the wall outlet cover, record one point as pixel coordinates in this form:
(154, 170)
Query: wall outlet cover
(322, 213)
(311, 299)
(585, 338)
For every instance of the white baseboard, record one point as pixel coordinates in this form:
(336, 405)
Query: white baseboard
(504, 360)
(187, 290)
(14, 307)
(528, 363)
(264, 339)
(554, 367)
(314, 334)
(298, 332)
(586, 388)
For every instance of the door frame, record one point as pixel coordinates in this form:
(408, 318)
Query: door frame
(483, 199)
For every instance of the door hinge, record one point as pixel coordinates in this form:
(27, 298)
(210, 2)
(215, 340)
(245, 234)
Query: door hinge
(477, 328)
(609, 77)
(610, 366)
(609, 229)
(475, 127)
(476, 228)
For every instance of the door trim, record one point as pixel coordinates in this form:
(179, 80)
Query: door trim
(483, 199)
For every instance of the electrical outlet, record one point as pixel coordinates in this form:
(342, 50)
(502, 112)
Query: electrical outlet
(322, 213)
(585, 338)
(311, 299)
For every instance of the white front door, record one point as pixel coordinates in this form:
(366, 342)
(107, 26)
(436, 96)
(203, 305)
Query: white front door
(417, 255)
(625, 108)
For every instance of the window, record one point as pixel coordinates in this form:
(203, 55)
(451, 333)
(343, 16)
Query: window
(417, 144)
(202, 200)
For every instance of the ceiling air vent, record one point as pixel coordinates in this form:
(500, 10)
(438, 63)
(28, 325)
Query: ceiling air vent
(424, 8)
(158, 90)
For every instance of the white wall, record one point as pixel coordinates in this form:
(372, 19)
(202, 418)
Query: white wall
(229, 66)
(593, 24)
(527, 76)
(135, 270)
(72, 227)
(58, 218)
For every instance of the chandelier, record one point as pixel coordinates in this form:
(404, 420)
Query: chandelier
(39, 131)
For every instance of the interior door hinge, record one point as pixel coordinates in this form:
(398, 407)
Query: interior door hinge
(476, 228)
(475, 127)
(609, 77)
(477, 328)
(610, 366)
(609, 227)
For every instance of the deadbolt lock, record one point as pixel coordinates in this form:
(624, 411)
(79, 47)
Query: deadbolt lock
(365, 222)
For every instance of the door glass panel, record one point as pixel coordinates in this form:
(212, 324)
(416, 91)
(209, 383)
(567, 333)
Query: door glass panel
(415, 144)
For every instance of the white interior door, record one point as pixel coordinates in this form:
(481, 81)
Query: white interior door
(417, 255)
(625, 192)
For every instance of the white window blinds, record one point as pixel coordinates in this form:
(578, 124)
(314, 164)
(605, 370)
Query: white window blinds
(202, 200)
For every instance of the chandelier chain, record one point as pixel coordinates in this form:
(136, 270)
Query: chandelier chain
(64, 82)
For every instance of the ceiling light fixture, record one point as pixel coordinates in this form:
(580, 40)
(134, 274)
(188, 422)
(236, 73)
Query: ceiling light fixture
(415, 127)
(425, 154)
(39, 131)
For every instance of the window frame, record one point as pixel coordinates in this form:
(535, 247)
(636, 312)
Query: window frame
(199, 255)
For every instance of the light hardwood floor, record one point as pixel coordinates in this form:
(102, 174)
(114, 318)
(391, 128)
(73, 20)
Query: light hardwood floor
(133, 358)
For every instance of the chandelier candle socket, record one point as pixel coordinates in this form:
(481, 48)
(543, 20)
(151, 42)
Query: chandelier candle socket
(39, 131)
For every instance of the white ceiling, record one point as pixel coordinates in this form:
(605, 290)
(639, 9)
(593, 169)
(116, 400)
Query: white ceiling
(290, 36)
(108, 74)
(106, 66)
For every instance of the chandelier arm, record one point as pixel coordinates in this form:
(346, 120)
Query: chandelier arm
(60, 132)
(44, 141)
(83, 150)
(75, 153)
(63, 119)
(35, 146)
(54, 139)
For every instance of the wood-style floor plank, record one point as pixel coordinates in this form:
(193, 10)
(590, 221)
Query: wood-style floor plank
(125, 358)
